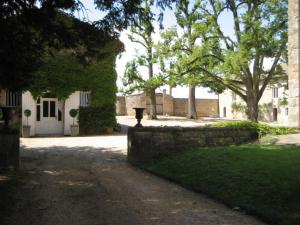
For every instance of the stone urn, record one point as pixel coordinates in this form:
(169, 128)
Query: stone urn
(139, 116)
(26, 131)
(74, 130)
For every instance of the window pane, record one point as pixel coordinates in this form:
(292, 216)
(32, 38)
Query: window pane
(59, 116)
(38, 113)
(45, 109)
(52, 108)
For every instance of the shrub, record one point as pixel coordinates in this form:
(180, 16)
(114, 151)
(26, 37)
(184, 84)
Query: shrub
(73, 113)
(27, 113)
(261, 128)
(95, 120)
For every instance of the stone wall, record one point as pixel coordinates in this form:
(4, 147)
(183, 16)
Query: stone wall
(293, 66)
(9, 150)
(121, 106)
(166, 105)
(159, 104)
(204, 107)
(163, 141)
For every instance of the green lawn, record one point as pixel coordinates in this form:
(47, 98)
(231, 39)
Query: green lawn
(263, 180)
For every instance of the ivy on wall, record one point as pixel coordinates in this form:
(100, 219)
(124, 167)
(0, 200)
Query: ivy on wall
(95, 120)
(62, 74)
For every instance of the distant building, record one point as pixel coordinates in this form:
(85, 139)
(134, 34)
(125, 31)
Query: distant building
(273, 106)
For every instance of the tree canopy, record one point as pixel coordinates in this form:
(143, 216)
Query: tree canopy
(238, 61)
(29, 27)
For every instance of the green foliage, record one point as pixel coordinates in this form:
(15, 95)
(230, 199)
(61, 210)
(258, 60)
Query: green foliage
(185, 51)
(27, 112)
(261, 128)
(262, 180)
(62, 74)
(142, 34)
(283, 101)
(95, 120)
(209, 56)
(73, 113)
(238, 107)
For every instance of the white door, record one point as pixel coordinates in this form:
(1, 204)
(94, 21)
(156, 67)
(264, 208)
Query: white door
(49, 116)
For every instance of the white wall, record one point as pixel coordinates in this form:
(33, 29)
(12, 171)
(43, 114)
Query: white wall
(226, 100)
(29, 103)
(71, 103)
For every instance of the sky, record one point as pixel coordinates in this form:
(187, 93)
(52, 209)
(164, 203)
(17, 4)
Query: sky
(132, 48)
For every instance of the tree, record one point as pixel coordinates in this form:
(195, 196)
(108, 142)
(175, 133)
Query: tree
(260, 35)
(141, 33)
(181, 47)
(29, 27)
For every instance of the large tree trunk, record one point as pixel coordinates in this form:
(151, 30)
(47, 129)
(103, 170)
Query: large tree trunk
(152, 113)
(192, 113)
(252, 108)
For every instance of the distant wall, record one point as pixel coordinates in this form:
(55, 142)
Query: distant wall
(121, 106)
(204, 107)
(164, 141)
(166, 105)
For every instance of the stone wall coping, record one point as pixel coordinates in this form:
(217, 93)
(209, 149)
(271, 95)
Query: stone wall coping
(178, 128)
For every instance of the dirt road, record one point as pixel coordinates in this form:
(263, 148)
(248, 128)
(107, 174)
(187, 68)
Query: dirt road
(86, 181)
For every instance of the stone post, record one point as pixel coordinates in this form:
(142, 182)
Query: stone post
(293, 66)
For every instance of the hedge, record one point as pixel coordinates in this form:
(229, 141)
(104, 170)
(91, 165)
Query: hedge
(261, 128)
(95, 120)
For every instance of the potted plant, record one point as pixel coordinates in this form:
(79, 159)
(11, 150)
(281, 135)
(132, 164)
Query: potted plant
(26, 128)
(74, 127)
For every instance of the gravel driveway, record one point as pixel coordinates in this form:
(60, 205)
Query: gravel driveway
(87, 181)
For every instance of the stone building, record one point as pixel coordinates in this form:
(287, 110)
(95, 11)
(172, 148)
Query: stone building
(293, 66)
(166, 105)
(273, 106)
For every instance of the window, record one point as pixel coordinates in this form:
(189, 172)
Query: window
(84, 98)
(275, 92)
(275, 114)
(13, 99)
(38, 109)
(224, 112)
(38, 112)
(52, 108)
(45, 108)
(59, 115)
(286, 111)
(49, 108)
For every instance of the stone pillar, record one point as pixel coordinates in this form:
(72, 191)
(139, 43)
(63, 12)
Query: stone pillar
(293, 67)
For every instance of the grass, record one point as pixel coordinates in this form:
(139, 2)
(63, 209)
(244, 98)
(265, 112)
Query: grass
(262, 180)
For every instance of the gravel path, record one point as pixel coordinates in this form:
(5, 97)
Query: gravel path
(87, 181)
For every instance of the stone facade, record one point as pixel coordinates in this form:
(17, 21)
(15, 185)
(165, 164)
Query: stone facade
(272, 105)
(166, 105)
(164, 141)
(293, 68)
